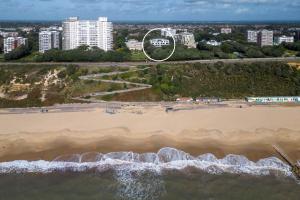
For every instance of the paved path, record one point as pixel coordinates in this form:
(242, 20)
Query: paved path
(99, 77)
(133, 64)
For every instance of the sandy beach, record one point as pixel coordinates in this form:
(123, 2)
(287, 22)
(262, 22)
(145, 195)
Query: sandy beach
(249, 131)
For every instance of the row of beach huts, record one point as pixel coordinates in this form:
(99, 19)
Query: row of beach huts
(257, 100)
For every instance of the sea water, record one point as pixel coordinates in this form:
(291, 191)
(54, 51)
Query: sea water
(167, 174)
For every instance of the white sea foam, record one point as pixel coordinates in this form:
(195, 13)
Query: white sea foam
(165, 159)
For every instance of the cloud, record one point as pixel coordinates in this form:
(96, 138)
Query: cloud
(151, 9)
(242, 10)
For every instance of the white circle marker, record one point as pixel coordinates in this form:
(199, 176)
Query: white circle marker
(155, 29)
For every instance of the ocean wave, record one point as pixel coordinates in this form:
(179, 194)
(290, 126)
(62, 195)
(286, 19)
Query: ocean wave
(165, 159)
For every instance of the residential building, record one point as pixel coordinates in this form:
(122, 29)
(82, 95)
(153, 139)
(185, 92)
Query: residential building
(265, 38)
(52, 28)
(27, 29)
(252, 36)
(8, 34)
(186, 39)
(134, 45)
(49, 40)
(168, 32)
(159, 42)
(226, 30)
(93, 33)
(286, 39)
(11, 43)
(213, 43)
(297, 34)
(215, 34)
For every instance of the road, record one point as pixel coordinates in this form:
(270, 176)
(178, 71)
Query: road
(133, 64)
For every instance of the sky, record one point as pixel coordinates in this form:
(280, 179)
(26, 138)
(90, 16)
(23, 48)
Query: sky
(152, 10)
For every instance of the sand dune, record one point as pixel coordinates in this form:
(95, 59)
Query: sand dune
(249, 131)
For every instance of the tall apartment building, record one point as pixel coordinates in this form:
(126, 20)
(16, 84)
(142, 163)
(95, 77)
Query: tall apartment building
(265, 38)
(11, 43)
(87, 32)
(168, 32)
(186, 39)
(252, 36)
(49, 40)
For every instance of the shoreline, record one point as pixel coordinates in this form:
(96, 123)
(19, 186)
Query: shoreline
(250, 131)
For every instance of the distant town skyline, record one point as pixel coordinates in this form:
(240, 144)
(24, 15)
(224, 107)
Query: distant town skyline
(151, 10)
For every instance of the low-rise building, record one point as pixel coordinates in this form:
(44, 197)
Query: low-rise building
(215, 34)
(208, 100)
(279, 99)
(185, 99)
(27, 29)
(8, 34)
(159, 42)
(226, 30)
(213, 43)
(286, 39)
(11, 43)
(134, 45)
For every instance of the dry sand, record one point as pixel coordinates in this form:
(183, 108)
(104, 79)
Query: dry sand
(248, 131)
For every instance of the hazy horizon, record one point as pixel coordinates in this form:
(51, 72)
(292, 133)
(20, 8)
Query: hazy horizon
(163, 21)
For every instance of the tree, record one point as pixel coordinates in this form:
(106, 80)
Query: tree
(273, 51)
(203, 46)
(292, 46)
(254, 53)
(33, 41)
(1, 44)
(17, 53)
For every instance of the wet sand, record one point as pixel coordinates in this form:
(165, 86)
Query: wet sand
(248, 131)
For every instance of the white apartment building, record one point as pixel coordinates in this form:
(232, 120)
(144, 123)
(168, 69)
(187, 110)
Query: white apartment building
(226, 30)
(186, 39)
(94, 33)
(159, 42)
(286, 39)
(252, 36)
(168, 32)
(11, 43)
(134, 45)
(265, 38)
(49, 40)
